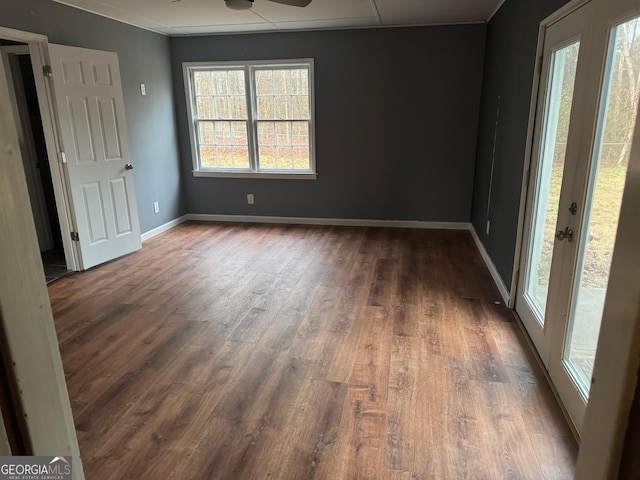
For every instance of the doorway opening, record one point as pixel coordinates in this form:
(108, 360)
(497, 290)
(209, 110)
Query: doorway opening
(28, 120)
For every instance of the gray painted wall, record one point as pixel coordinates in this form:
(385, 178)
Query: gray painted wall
(512, 37)
(144, 57)
(396, 124)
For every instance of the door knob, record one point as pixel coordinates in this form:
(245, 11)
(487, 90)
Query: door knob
(566, 233)
(128, 166)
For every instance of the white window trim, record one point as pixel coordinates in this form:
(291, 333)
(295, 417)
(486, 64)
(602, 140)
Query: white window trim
(249, 67)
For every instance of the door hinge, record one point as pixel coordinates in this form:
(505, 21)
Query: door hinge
(62, 157)
(47, 70)
(75, 237)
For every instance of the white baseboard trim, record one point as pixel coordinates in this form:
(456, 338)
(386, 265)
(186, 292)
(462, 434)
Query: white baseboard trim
(497, 279)
(163, 228)
(330, 221)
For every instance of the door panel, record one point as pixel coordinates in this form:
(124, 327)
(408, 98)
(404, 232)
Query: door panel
(102, 74)
(120, 206)
(95, 212)
(600, 183)
(606, 185)
(78, 109)
(553, 163)
(90, 105)
(109, 124)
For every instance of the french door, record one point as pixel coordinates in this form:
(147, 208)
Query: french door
(585, 118)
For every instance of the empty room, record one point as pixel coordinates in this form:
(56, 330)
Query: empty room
(293, 239)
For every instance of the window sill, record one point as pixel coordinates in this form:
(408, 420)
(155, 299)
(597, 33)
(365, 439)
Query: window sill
(272, 176)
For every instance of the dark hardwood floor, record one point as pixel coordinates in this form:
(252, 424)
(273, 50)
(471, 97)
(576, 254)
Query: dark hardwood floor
(236, 351)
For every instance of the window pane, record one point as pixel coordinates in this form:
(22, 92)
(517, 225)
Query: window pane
(267, 156)
(208, 157)
(300, 132)
(241, 157)
(301, 157)
(281, 81)
(236, 82)
(283, 133)
(266, 133)
(266, 107)
(284, 157)
(202, 83)
(283, 145)
(282, 111)
(238, 107)
(222, 107)
(264, 82)
(223, 145)
(205, 107)
(301, 107)
(239, 133)
(283, 94)
(224, 156)
(220, 84)
(223, 133)
(300, 82)
(207, 133)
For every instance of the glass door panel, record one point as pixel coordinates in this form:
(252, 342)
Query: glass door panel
(616, 124)
(553, 163)
(562, 75)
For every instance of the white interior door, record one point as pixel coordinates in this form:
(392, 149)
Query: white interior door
(575, 197)
(90, 108)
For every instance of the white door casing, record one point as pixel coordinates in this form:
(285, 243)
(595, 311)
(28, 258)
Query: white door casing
(30, 159)
(90, 108)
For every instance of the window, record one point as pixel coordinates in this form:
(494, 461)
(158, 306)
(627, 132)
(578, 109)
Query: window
(251, 119)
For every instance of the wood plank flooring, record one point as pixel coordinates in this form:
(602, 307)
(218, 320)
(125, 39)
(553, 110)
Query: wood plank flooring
(236, 351)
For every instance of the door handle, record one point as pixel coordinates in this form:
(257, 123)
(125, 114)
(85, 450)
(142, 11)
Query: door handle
(128, 166)
(566, 233)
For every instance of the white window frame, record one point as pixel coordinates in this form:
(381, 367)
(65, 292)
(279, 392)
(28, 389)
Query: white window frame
(249, 67)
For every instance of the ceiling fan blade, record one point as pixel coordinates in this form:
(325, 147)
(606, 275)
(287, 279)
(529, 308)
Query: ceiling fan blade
(294, 3)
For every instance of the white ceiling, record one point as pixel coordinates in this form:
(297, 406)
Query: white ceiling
(192, 17)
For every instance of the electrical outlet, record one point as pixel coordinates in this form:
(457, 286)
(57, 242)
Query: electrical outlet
(488, 226)
(156, 207)
(250, 199)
